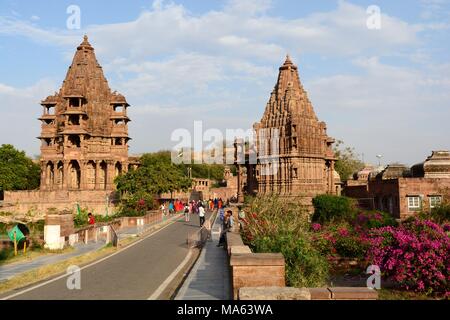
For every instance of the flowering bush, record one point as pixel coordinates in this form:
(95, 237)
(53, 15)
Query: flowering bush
(415, 255)
(373, 219)
(340, 239)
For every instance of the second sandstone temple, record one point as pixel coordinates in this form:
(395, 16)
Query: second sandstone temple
(302, 162)
(84, 142)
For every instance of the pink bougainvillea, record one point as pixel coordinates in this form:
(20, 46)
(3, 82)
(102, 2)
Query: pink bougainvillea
(416, 255)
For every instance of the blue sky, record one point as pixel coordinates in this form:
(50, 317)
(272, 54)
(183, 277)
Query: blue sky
(382, 91)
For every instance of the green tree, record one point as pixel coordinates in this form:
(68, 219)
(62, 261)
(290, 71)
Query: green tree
(157, 174)
(347, 161)
(17, 171)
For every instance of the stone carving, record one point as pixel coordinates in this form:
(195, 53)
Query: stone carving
(299, 151)
(80, 127)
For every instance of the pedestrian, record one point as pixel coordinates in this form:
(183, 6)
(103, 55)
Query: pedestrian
(201, 214)
(187, 217)
(91, 219)
(171, 207)
(227, 224)
(241, 216)
(163, 209)
(230, 222)
(221, 214)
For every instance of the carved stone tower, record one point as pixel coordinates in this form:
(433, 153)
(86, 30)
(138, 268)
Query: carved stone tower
(84, 129)
(295, 156)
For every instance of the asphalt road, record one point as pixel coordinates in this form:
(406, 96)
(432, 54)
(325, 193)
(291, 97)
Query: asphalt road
(135, 273)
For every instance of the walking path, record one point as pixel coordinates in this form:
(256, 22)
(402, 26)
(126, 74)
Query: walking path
(209, 279)
(10, 270)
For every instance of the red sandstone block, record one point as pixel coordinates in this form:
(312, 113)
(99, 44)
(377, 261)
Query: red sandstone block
(257, 259)
(320, 293)
(353, 293)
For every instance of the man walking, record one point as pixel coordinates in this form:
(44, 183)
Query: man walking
(227, 225)
(201, 214)
(187, 217)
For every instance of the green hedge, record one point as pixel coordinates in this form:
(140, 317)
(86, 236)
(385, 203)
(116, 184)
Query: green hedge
(275, 225)
(305, 266)
(330, 208)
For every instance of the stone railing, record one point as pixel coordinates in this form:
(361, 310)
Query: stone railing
(261, 276)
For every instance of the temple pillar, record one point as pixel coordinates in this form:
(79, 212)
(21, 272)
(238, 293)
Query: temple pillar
(97, 175)
(110, 171)
(43, 176)
(65, 178)
(83, 178)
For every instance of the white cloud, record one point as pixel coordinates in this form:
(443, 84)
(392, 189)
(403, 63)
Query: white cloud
(20, 109)
(175, 67)
(387, 108)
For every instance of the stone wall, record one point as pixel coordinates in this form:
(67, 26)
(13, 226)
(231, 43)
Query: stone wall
(41, 201)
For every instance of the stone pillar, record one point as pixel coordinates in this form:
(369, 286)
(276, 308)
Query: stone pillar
(332, 189)
(43, 176)
(65, 177)
(83, 177)
(240, 193)
(110, 171)
(97, 175)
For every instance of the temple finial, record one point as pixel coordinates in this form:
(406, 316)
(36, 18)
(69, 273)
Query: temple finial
(288, 59)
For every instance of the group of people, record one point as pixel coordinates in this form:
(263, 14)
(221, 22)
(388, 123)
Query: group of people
(198, 207)
(188, 208)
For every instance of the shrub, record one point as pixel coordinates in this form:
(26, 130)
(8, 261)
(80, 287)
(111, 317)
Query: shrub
(330, 208)
(305, 266)
(441, 213)
(373, 219)
(130, 212)
(340, 239)
(279, 225)
(351, 246)
(414, 255)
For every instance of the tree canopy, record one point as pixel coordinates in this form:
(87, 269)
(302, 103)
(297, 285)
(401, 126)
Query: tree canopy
(348, 162)
(17, 171)
(156, 175)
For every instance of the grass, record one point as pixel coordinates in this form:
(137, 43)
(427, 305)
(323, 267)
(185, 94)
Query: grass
(7, 255)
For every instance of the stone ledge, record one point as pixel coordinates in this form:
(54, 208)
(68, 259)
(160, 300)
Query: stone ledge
(274, 293)
(240, 249)
(290, 293)
(320, 293)
(353, 293)
(257, 259)
(233, 239)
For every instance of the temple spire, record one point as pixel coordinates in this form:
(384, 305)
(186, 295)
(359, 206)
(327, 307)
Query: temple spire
(288, 60)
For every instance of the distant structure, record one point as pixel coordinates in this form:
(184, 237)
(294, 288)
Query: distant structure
(84, 140)
(403, 191)
(294, 152)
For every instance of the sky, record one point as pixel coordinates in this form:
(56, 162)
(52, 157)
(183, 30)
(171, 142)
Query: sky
(383, 91)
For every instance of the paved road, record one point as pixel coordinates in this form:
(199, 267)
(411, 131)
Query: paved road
(135, 273)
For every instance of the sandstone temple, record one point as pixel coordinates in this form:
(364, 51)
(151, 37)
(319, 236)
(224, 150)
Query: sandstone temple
(84, 141)
(293, 151)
